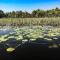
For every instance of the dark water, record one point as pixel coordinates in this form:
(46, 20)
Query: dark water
(28, 50)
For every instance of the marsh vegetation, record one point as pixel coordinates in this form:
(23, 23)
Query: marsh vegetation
(39, 27)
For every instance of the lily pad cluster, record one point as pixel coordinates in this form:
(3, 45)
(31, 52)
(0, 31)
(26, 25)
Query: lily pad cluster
(25, 34)
(31, 33)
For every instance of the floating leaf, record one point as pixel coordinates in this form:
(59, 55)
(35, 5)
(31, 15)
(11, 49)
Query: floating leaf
(10, 49)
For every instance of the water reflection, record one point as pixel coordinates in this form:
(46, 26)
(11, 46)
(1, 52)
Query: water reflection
(4, 31)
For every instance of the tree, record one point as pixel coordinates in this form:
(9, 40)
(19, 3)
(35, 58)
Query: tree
(13, 14)
(19, 14)
(34, 12)
(1, 14)
(40, 13)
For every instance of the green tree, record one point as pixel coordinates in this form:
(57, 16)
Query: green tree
(1, 14)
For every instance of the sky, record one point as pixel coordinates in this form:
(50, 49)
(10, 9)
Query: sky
(28, 5)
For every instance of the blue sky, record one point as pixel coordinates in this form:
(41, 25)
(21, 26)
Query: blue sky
(28, 5)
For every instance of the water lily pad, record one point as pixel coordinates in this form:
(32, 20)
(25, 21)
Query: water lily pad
(55, 38)
(50, 47)
(10, 49)
(59, 44)
(2, 39)
(23, 41)
(11, 37)
(41, 36)
(48, 39)
(19, 37)
(51, 34)
(55, 45)
(33, 39)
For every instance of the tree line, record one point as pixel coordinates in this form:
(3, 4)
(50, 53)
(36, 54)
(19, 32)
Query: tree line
(34, 14)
